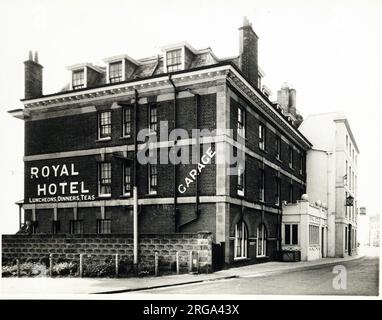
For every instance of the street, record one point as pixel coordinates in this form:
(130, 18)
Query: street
(362, 279)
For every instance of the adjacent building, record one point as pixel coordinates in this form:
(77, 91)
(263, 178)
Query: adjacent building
(332, 177)
(82, 144)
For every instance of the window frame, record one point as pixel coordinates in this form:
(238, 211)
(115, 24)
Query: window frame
(263, 241)
(291, 227)
(240, 176)
(262, 136)
(153, 189)
(104, 224)
(278, 147)
(241, 121)
(101, 125)
(74, 224)
(153, 125)
(241, 240)
(290, 156)
(277, 191)
(125, 191)
(101, 184)
(119, 77)
(56, 226)
(177, 65)
(127, 121)
(78, 83)
(261, 185)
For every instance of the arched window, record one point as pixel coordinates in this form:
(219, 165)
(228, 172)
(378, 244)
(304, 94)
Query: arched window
(241, 239)
(261, 241)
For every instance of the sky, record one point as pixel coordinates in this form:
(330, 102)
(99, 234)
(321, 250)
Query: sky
(329, 51)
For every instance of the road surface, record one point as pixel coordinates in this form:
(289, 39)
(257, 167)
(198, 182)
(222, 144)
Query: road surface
(361, 280)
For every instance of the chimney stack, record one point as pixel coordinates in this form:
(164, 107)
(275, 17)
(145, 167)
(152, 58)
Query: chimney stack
(33, 77)
(248, 52)
(286, 98)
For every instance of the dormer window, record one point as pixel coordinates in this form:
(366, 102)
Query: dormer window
(78, 79)
(174, 60)
(115, 72)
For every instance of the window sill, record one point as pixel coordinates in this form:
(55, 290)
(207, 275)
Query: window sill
(125, 137)
(263, 150)
(104, 196)
(262, 257)
(126, 195)
(279, 160)
(151, 194)
(241, 259)
(103, 139)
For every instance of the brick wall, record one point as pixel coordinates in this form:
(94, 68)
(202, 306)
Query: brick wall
(104, 247)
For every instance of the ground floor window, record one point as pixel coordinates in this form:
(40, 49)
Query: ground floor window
(291, 234)
(76, 226)
(346, 238)
(261, 241)
(241, 239)
(104, 226)
(56, 226)
(314, 234)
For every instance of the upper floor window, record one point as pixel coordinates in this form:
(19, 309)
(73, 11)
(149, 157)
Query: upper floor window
(127, 116)
(262, 133)
(301, 164)
(277, 191)
(174, 60)
(126, 179)
(261, 185)
(104, 130)
(78, 79)
(290, 156)
(104, 179)
(240, 180)
(153, 118)
(153, 178)
(115, 72)
(290, 193)
(241, 122)
(278, 147)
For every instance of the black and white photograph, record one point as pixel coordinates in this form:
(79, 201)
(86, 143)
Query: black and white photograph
(182, 150)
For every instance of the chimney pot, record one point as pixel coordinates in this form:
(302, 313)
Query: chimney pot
(30, 57)
(36, 56)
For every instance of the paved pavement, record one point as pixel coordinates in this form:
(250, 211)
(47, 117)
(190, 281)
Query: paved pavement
(43, 287)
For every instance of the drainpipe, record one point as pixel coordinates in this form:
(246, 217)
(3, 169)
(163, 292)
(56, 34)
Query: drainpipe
(174, 166)
(197, 104)
(135, 188)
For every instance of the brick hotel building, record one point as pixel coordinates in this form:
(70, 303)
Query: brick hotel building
(81, 143)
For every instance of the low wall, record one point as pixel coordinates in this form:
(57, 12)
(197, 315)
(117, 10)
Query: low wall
(101, 247)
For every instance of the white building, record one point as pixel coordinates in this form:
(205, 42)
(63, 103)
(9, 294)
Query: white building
(332, 177)
(305, 229)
